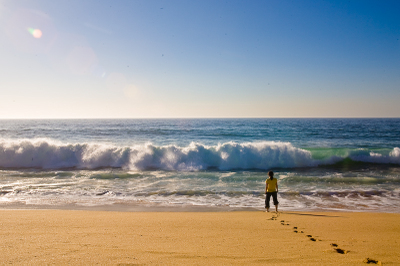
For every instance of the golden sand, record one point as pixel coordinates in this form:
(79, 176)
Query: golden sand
(59, 237)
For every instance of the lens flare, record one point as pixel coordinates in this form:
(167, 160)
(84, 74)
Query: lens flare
(36, 33)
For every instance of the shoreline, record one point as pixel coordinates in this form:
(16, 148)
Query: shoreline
(126, 207)
(131, 208)
(192, 208)
(82, 237)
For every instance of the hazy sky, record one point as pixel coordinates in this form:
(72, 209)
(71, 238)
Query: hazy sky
(187, 58)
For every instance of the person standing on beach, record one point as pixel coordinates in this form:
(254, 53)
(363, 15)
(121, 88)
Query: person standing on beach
(271, 189)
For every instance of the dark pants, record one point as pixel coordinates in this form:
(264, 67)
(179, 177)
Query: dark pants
(274, 197)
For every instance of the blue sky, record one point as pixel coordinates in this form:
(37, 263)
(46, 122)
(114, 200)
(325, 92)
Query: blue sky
(147, 59)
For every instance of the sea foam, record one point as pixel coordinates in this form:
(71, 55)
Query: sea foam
(259, 155)
(373, 157)
(50, 154)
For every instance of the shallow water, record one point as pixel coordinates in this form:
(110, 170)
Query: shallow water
(321, 164)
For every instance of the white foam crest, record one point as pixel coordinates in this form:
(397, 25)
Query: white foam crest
(49, 154)
(231, 155)
(372, 157)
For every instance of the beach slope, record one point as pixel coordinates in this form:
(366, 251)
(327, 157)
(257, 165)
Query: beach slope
(127, 238)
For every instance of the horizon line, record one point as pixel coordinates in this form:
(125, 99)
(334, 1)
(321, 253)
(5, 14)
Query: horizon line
(150, 118)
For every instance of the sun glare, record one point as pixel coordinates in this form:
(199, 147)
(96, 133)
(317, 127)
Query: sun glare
(36, 33)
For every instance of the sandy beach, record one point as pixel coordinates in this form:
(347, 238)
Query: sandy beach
(59, 237)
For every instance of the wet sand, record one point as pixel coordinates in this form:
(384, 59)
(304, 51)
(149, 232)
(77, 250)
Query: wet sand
(59, 237)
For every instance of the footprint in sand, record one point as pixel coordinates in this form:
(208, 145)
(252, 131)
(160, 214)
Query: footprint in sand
(295, 227)
(341, 251)
(295, 231)
(283, 222)
(311, 238)
(372, 261)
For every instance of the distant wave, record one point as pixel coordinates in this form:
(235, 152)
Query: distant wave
(49, 154)
(373, 157)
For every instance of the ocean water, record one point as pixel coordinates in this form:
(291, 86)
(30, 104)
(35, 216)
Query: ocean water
(320, 164)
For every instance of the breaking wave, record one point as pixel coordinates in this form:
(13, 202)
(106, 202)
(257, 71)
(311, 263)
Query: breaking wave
(49, 154)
